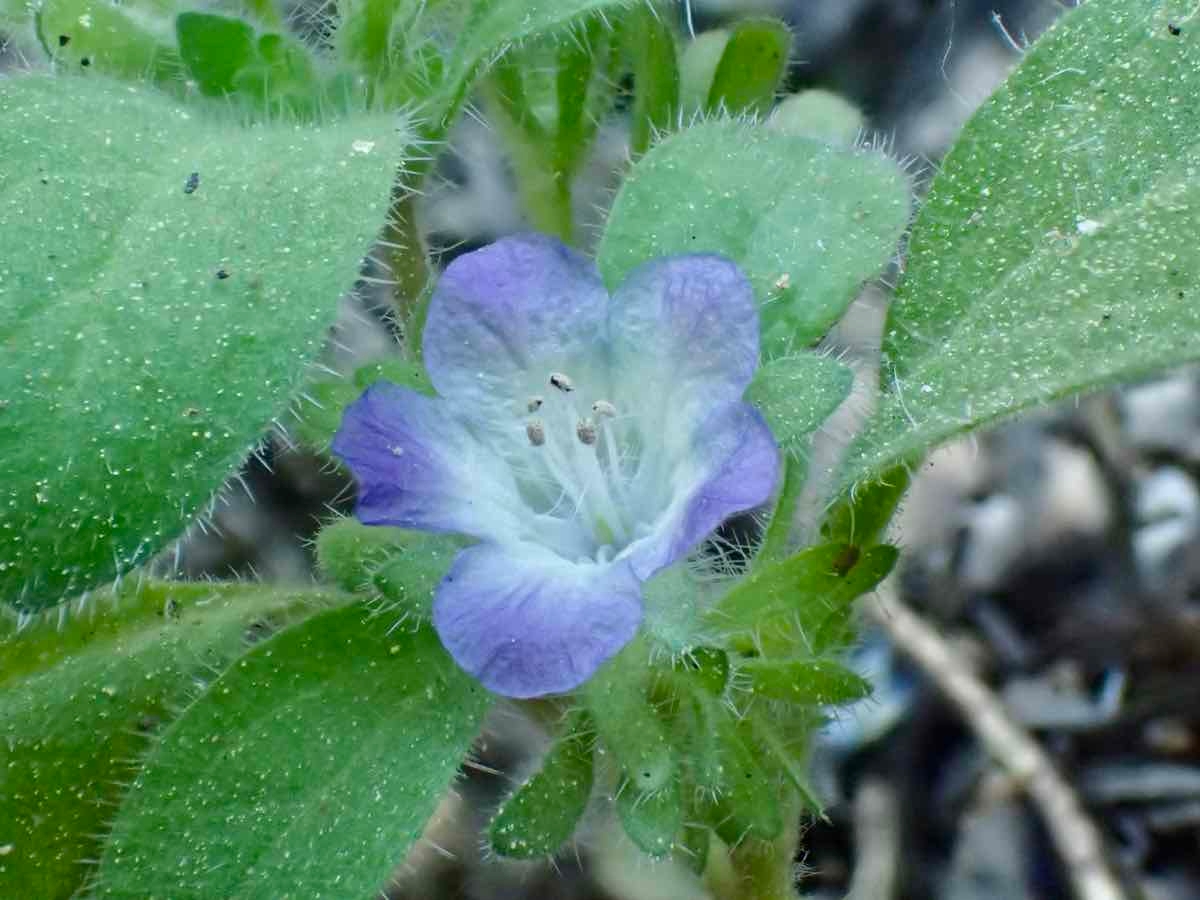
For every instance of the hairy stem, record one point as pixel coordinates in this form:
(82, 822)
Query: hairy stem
(757, 870)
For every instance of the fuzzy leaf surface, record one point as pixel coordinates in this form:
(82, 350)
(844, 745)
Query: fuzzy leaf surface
(79, 704)
(794, 599)
(815, 682)
(312, 764)
(541, 815)
(796, 394)
(446, 49)
(153, 323)
(811, 225)
(127, 40)
(751, 67)
(1057, 250)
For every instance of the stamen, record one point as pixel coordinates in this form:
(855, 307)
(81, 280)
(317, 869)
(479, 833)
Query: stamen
(535, 403)
(585, 430)
(562, 382)
(604, 410)
(535, 430)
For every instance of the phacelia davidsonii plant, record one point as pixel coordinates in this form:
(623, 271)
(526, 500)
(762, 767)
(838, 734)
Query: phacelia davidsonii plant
(577, 472)
(547, 446)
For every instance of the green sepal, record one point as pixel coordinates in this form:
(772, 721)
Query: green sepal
(787, 756)
(325, 399)
(742, 798)
(705, 667)
(777, 538)
(751, 69)
(861, 516)
(618, 698)
(397, 565)
(814, 682)
(541, 815)
(695, 839)
(652, 820)
(788, 607)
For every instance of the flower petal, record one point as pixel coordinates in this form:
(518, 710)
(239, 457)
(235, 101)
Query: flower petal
(417, 466)
(504, 317)
(734, 466)
(527, 623)
(688, 325)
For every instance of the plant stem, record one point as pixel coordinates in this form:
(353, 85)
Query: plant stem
(407, 262)
(776, 544)
(757, 870)
(546, 194)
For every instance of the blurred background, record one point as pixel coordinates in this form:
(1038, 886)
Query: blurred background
(1060, 554)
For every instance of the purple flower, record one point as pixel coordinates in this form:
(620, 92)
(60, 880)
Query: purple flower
(587, 443)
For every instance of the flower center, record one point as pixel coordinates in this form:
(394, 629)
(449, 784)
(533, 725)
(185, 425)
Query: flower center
(578, 469)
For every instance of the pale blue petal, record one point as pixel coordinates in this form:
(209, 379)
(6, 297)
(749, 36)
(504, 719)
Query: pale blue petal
(684, 333)
(418, 466)
(527, 623)
(503, 318)
(733, 466)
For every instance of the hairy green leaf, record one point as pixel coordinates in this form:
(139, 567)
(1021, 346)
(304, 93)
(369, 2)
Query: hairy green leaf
(805, 681)
(787, 604)
(127, 40)
(313, 763)
(796, 394)
(751, 68)
(80, 703)
(1056, 251)
(820, 115)
(808, 228)
(167, 279)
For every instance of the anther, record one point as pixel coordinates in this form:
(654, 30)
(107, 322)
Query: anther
(603, 409)
(562, 382)
(586, 431)
(536, 432)
(534, 404)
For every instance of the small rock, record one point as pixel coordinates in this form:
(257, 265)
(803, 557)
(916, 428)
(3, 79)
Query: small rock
(1163, 415)
(996, 540)
(1168, 492)
(1140, 782)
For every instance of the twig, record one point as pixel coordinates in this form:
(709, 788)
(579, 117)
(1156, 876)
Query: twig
(877, 842)
(1076, 838)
